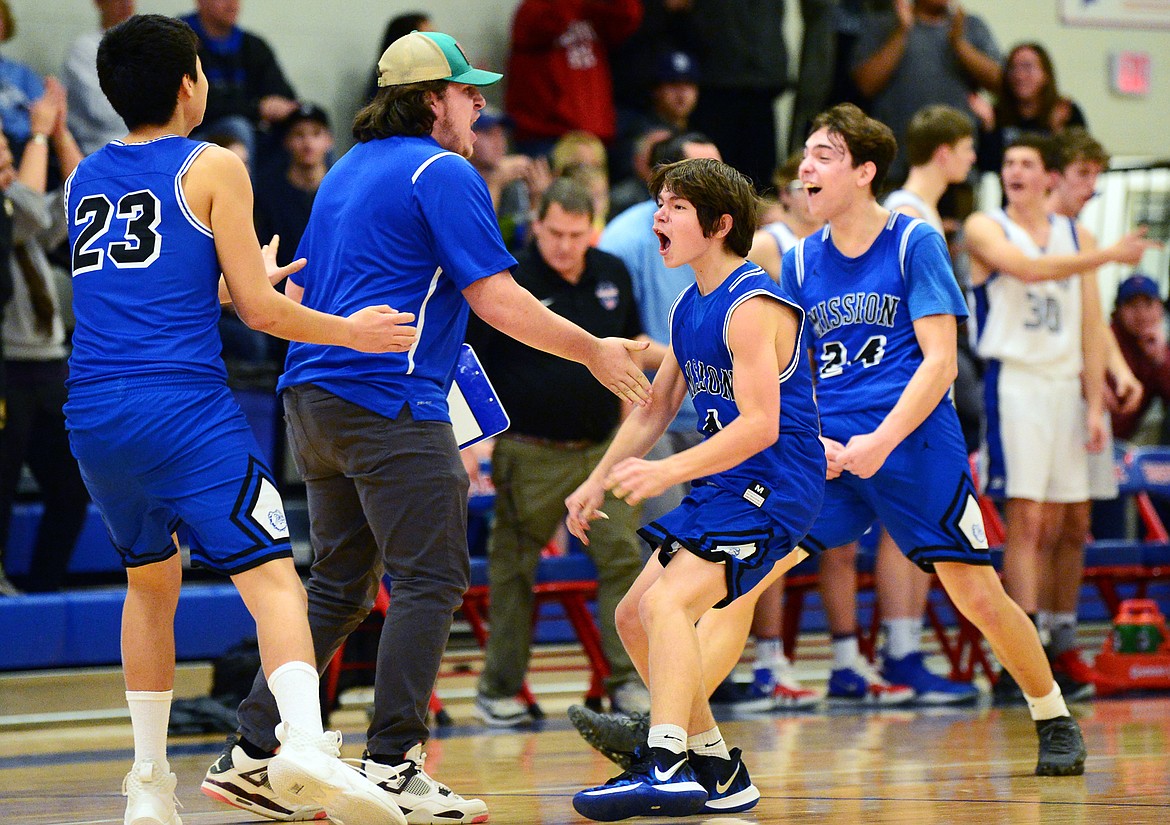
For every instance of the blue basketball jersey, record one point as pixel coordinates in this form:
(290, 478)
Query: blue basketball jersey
(139, 255)
(860, 311)
(698, 337)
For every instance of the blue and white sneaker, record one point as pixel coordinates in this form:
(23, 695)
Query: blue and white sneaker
(929, 688)
(729, 788)
(659, 783)
(860, 685)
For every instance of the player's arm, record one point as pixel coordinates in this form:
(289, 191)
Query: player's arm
(1127, 391)
(276, 272)
(765, 252)
(937, 338)
(993, 252)
(220, 193)
(639, 431)
(754, 324)
(514, 311)
(1094, 353)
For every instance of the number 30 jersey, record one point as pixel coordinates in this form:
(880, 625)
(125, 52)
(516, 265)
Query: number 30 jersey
(860, 312)
(1035, 325)
(145, 271)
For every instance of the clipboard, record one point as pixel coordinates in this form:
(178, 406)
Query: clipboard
(475, 409)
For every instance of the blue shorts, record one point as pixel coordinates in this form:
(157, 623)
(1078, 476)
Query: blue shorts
(923, 495)
(721, 527)
(155, 453)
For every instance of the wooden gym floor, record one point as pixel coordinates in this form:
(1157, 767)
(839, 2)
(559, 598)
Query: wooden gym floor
(65, 745)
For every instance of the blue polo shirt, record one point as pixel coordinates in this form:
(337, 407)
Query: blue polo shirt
(397, 221)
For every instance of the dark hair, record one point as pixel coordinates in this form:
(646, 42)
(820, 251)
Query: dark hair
(1045, 145)
(1075, 144)
(868, 140)
(714, 189)
(572, 196)
(401, 26)
(141, 64)
(1007, 106)
(673, 149)
(404, 109)
(932, 127)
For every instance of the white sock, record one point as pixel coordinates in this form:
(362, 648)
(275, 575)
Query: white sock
(768, 652)
(708, 743)
(150, 711)
(296, 687)
(903, 637)
(845, 652)
(1047, 707)
(671, 737)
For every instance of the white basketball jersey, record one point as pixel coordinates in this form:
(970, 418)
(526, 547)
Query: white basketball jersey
(785, 237)
(1035, 325)
(904, 197)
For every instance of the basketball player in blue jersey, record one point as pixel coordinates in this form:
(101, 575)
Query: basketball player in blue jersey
(153, 220)
(882, 303)
(757, 480)
(1041, 333)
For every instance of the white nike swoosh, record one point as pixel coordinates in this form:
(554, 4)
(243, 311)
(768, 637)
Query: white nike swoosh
(721, 787)
(665, 777)
(548, 301)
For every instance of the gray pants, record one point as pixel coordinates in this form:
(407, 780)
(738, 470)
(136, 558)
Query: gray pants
(383, 495)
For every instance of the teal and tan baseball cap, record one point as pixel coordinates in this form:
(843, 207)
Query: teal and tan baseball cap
(422, 56)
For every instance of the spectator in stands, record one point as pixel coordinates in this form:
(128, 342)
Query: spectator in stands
(560, 49)
(1139, 322)
(92, 119)
(248, 89)
(577, 148)
(776, 237)
(1029, 102)
(631, 238)
(19, 87)
(283, 202)
(398, 27)
(667, 26)
(596, 182)
(744, 64)
(632, 189)
(551, 447)
(35, 350)
(1045, 388)
(675, 92)
(7, 178)
(514, 181)
(924, 52)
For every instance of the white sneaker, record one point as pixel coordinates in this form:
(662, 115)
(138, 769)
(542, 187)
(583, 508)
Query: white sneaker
(500, 713)
(150, 795)
(241, 781)
(307, 770)
(424, 800)
(630, 697)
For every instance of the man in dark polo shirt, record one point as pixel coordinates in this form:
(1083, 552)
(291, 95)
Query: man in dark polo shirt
(562, 421)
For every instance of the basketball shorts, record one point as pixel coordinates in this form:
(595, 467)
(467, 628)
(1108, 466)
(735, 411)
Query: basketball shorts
(923, 494)
(154, 454)
(721, 527)
(1035, 447)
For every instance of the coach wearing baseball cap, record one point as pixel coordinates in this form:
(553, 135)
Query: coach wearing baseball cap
(403, 219)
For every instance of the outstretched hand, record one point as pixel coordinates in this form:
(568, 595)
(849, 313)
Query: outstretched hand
(381, 329)
(615, 370)
(584, 506)
(1132, 247)
(276, 272)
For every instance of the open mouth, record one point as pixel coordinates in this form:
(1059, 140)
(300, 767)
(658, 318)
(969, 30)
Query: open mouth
(811, 188)
(663, 242)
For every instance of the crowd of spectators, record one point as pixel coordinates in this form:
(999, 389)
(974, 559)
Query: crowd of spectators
(598, 92)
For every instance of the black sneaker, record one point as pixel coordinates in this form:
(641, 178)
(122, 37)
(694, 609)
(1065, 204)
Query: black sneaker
(726, 781)
(1006, 691)
(614, 735)
(1062, 748)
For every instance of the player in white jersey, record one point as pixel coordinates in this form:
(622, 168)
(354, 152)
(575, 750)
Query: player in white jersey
(1038, 331)
(1082, 159)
